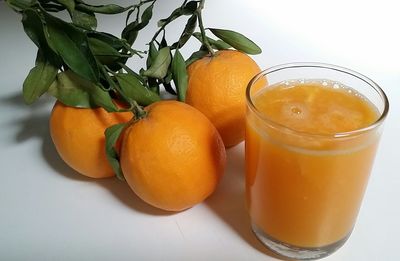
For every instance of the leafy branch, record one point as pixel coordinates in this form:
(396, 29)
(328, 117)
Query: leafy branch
(98, 59)
(86, 68)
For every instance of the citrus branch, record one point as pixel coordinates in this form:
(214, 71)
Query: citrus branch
(202, 30)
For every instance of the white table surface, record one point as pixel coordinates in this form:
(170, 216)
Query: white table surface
(49, 212)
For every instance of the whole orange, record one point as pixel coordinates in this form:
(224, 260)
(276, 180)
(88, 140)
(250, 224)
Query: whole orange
(78, 135)
(173, 158)
(217, 86)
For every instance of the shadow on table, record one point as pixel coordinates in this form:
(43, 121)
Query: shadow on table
(35, 126)
(229, 203)
(117, 188)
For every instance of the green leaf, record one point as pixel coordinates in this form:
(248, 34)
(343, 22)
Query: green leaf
(152, 54)
(159, 67)
(85, 20)
(188, 9)
(100, 48)
(128, 15)
(102, 9)
(237, 40)
(135, 90)
(112, 135)
(187, 32)
(51, 7)
(180, 75)
(72, 45)
(196, 56)
(163, 42)
(73, 90)
(131, 31)
(21, 4)
(110, 39)
(175, 14)
(69, 4)
(33, 27)
(146, 16)
(215, 44)
(104, 53)
(47, 62)
(39, 79)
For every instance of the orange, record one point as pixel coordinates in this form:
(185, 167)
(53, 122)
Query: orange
(217, 86)
(173, 158)
(78, 135)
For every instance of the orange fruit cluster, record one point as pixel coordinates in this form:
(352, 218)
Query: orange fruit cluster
(174, 156)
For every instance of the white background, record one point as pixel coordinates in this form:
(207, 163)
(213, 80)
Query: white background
(49, 212)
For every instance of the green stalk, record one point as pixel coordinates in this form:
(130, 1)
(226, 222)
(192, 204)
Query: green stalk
(202, 30)
(138, 111)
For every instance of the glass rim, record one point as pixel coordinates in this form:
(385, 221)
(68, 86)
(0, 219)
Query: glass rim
(341, 69)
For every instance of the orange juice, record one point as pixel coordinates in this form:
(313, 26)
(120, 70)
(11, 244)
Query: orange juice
(305, 177)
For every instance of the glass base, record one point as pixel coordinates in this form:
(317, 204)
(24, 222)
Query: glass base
(295, 252)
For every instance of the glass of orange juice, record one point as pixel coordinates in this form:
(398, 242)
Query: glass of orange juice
(312, 131)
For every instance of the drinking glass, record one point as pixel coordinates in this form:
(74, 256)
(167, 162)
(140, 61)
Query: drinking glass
(304, 190)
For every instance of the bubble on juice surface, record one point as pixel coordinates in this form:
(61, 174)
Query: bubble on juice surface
(295, 111)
